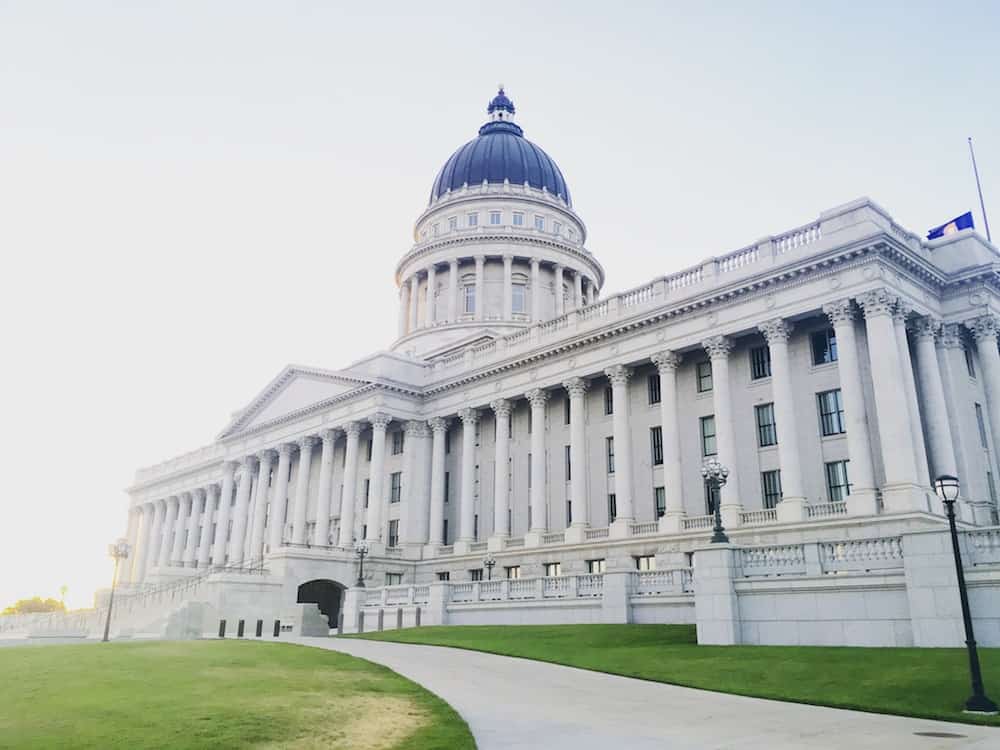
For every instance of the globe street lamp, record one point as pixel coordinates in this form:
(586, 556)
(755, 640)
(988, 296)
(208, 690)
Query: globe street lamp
(488, 562)
(119, 552)
(361, 550)
(716, 474)
(947, 488)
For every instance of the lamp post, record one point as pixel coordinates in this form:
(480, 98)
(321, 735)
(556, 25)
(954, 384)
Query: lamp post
(361, 550)
(488, 562)
(119, 552)
(947, 488)
(716, 475)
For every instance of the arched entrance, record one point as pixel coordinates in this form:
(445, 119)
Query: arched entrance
(329, 595)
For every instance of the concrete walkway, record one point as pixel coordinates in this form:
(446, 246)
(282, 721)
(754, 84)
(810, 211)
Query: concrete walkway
(518, 703)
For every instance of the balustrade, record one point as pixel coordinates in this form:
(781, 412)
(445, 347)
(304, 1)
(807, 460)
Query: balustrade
(983, 546)
(861, 555)
(759, 517)
(778, 560)
(826, 510)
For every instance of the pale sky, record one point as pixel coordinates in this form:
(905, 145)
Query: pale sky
(195, 194)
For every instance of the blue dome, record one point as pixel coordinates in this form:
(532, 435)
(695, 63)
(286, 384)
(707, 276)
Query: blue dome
(501, 152)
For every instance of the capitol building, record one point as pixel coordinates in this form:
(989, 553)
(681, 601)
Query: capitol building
(525, 417)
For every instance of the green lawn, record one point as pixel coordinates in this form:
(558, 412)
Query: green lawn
(214, 694)
(929, 683)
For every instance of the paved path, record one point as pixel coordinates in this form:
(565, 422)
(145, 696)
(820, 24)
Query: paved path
(518, 703)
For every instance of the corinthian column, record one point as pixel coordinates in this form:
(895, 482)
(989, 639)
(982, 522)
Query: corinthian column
(169, 529)
(414, 300)
(429, 303)
(302, 490)
(899, 316)
(467, 506)
(279, 498)
(576, 390)
(577, 290)
(265, 460)
(480, 288)
(719, 349)
(667, 363)
(205, 543)
(375, 500)
(141, 551)
(240, 511)
(404, 309)
(984, 331)
(439, 428)
(619, 376)
(415, 500)
(560, 300)
(536, 290)
(348, 496)
(452, 291)
(321, 536)
(191, 549)
(539, 525)
(793, 496)
(156, 535)
(942, 456)
(508, 287)
(501, 459)
(177, 553)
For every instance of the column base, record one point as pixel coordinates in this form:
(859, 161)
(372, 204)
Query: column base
(902, 498)
(576, 534)
(731, 515)
(620, 528)
(862, 503)
(672, 522)
(534, 538)
(792, 509)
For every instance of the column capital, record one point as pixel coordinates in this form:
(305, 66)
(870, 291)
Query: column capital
(927, 327)
(877, 302)
(453, 264)
(950, 336)
(901, 311)
(379, 420)
(667, 360)
(173, 501)
(479, 259)
(983, 328)
(228, 469)
(718, 347)
(559, 267)
(213, 489)
(618, 374)
(576, 386)
(197, 493)
(537, 397)
(285, 450)
(438, 424)
(266, 456)
(468, 416)
(247, 466)
(500, 407)
(353, 429)
(839, 312)
(329, 435)
(306, 443)
(776, 331)
(535, 263)
(416, 428)
(507, 258)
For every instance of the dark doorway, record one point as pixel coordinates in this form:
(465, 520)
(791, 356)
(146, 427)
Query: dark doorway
(327, 594)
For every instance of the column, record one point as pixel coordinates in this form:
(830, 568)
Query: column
(591, 292)
(560, 301)
(984, 329)
(302, 490)
(577, 290)
(793, 495)
(169, 525)
(222, 519)
(861, 501)
(415, 501)
(414, 300)
(576, 389)
(156, 535)
(942, 456)
(177, 553)
(141, 551)
(539, 515)
(667, 363)
(901, 492)
(241, 510)
(191, 548)
(279, 498)
(466, 523)
(453, 290)
(501, 461)
(375, 500)
(951, 363)
(404, 309)
(255, 550)
(536, 290)
(719, 348)
(899, 316)
(508, 287)
(348, 497)
(321, 536)
(205, 544)
(439, 430)
(429, 302)
(480, 288)
(132, 537)
(619, 376)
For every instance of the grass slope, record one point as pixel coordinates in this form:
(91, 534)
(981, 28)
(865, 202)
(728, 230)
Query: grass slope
(928, 683)
(219, 694)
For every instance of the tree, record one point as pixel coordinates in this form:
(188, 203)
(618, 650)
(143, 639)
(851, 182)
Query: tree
(34, 605)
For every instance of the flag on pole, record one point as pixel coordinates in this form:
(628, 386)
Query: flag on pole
(960, 222)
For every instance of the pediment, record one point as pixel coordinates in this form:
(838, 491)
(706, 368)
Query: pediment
(295, 389)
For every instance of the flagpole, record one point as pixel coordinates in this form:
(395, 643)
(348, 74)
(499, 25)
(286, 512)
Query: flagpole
(979, 187)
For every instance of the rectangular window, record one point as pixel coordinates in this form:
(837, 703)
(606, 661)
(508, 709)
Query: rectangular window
(518, 298)
(660, 498)
(472, 220)
(970, 365)
(553, 570)
(831, 413)
(653, 388)
(540, 223)
(656, 445)
(447, 485)
(569, 463)
(609, 447)
(452, 223)
(770, 484)
(395, 487)
(444, 575)
(703, 373)
(609, 400)
(824, 346)
(760, 362)
(612, 507)
(397, 442)
(469, 298)
(476, 574)
(981, 421)
(512, 571)
(556, 227)
(708, 447)
(838, 486)
(518, 219)
(596, 566)
(494, 217)
(767, 432)
(368, 484)
(393, 579)
(645, 562)
(394, 533)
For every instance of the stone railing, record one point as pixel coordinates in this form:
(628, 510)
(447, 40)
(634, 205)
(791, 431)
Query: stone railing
(827, 510)
(447, 549)
(983, 546)
(461, 592)
(796, 238)
(478, 547)
(491, 591)
(555, 537)
(885, 553)
(591, 534)
(775, 560)
(646, 527)
(697, 523)
(514, 543)
(759, 517)
(421, 594)
(373, 596)
(591, 584)
(652, 582)
(397, 594)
